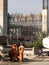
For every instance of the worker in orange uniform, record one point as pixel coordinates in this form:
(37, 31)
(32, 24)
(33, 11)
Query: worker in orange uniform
(21, 52)
(14, 52)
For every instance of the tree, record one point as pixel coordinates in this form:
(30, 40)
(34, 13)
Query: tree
(38, 42)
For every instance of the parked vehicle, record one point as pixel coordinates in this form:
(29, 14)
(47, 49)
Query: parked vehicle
(45, 42)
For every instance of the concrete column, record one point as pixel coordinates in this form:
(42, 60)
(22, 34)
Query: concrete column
(44, 21)
(3, 17)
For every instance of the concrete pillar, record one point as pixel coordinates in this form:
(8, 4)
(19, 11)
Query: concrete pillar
(3, 17)
(44, 21)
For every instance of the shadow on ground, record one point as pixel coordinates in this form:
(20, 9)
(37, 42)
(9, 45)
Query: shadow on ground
(37, 58)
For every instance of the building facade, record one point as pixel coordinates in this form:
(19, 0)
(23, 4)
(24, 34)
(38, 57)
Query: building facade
(24, 25)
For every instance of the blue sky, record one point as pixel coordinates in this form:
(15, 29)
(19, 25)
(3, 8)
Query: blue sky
(24, 6)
